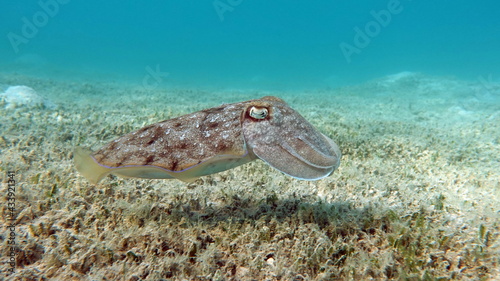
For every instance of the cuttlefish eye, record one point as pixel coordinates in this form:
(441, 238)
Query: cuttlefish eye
(258, 112)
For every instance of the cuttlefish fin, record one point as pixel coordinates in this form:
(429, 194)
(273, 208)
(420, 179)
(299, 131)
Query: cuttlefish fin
(87, 166)
(93, 172)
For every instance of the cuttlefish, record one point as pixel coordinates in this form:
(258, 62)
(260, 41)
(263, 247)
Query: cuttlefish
(215, 140)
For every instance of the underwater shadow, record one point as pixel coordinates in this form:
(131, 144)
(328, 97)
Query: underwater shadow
(340, 215)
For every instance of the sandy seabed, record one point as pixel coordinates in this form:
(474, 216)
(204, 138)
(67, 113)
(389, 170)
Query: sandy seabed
(417, 195)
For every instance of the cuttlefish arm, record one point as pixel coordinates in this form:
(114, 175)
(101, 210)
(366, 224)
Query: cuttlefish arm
(214, 140)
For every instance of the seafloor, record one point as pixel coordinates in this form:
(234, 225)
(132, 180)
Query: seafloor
(417, 195)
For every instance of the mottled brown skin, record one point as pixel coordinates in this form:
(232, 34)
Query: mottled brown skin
(179, 143)
(214, 140)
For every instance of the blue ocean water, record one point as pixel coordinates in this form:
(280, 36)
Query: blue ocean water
(250, 44)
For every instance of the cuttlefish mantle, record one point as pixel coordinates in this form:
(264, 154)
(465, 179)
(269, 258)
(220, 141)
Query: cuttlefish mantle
(215, 140)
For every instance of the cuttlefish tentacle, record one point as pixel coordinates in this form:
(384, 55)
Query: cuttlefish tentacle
(214, 140)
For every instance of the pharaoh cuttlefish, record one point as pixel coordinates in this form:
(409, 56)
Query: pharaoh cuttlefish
(214, 140)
